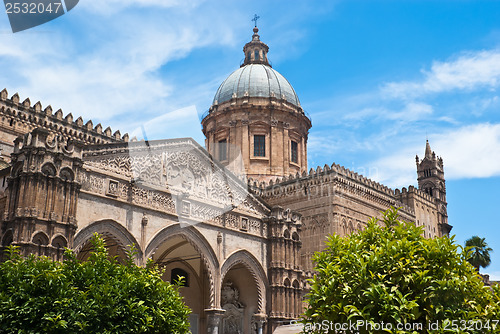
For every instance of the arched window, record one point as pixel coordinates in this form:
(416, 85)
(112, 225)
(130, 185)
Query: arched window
(48, 169)
(59, 242)
(259, 146)
(286, 282)
(41, 240)
(295, 152)
(256, 55)
(176, 274)
(286, 234)
(66, 174)
(7, 238)
(223, 150)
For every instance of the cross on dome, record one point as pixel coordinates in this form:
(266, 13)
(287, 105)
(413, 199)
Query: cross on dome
(255, 18)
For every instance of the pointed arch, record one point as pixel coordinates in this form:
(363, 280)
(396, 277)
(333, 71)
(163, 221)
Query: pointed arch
(286, 282)
(253, 265)
(40, 238)
(286, 234)
(67, 174)
(107, 228)
(49, 169)
(8, 238)
(200, 243)
(59, 241)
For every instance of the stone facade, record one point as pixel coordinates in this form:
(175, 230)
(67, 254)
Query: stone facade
(244, 245)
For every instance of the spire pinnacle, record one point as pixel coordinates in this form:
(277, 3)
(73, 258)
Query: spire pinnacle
(428, 151)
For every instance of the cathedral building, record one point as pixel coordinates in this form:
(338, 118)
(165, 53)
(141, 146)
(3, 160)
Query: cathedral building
(239, 218)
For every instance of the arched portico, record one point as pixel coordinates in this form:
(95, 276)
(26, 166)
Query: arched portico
(116, 237)
(244, 287)
(184, 251)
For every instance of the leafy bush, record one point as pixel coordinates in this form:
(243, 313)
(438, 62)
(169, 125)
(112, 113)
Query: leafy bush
(38, 295)
(392, 275)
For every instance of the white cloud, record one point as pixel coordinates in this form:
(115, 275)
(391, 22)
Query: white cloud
(410, 112)
(113, 72)
(469, 71)
(478, 106)
(397, 170)
(468, 152)
(113, 61)
(448, 119)
(171, 125)
(413, 111)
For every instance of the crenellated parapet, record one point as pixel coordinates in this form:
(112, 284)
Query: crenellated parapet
(325, 181)
(18, 118)
(429, 211)
(413, 191)
(319, 173)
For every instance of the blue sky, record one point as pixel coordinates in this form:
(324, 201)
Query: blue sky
(376, 77)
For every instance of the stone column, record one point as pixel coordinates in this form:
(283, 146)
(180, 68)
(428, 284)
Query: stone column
(260, 320)
(213, 320)
(286, 152)
(245, 144)
(304, 154)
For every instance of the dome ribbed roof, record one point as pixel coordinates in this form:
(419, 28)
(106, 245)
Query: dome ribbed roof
(256, 80)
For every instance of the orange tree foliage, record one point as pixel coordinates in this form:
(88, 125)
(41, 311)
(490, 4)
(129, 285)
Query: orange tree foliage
(38, 295)
(389, 275)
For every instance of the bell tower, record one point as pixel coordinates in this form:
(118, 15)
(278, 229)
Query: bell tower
(430, 177)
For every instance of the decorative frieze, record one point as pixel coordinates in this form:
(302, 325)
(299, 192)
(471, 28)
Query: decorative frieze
(92, 183)
(207, 213)
(232, 221)
(153, 199)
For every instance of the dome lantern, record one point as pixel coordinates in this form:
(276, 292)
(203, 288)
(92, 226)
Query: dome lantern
(255, 51)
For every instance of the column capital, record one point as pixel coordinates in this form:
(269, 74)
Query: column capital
(214, 316)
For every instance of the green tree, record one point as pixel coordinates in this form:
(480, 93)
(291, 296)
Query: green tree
(479, 252)
(389, 274)
(100, 295)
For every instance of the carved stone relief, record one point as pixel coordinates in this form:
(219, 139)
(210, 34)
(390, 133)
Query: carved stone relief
(180, 173)
(232, 221)
(232, 320)
(244, 224)
(183, 171)
(92, 183)
(112, 189)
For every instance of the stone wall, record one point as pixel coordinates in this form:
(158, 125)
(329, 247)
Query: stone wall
(334, 199)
